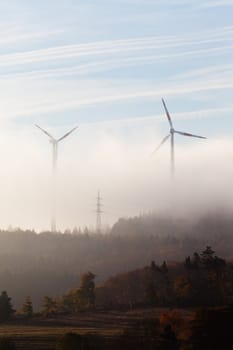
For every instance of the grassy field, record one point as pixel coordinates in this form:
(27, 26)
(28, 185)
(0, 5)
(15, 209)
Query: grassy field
(42, 333)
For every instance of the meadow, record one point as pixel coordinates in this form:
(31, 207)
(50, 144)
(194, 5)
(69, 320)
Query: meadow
(102, 329)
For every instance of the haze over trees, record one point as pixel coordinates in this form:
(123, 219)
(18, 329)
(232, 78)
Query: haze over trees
(51, 264)
(202, 281)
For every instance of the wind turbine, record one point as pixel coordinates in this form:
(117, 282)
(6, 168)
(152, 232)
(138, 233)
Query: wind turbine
(172, 136)
(54, 143)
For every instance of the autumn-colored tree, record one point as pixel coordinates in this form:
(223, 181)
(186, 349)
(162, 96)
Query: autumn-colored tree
(72, 301)
(49, 306)
(80, 298)
(27, 308)
(172, 317)
(183, 290)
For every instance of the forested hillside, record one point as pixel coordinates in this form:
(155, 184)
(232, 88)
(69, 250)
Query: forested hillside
(49, 264)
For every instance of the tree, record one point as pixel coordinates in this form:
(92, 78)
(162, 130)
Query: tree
(216, 275)
(196, 260)
(207, 257)
(6, 309)
(183, 290)
(80, 298)
(87, 289)
(164, 267)
(72, 302)
(150, 294)
(27, 308)
(49, 306)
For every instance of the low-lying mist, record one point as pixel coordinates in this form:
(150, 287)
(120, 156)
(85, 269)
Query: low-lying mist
(116, 159)
(50, 264)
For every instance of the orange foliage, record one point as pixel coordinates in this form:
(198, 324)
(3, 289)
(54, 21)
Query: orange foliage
(172, 317)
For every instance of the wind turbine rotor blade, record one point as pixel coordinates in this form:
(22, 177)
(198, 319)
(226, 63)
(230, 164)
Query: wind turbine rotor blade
(67, 134)
(45, 132)
(167, 113)
(161, 143)
(190, 135)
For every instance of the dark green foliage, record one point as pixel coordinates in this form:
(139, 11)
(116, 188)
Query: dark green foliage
(207, 257)
(70, 341)
(6, 309)
(208, 279)
(87, 288)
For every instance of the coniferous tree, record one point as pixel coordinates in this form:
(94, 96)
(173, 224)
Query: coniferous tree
(27, 308)
(87, 288)
(6, 309)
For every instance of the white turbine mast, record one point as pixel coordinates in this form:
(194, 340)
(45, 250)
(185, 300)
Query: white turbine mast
(54, 143)
(172, 136)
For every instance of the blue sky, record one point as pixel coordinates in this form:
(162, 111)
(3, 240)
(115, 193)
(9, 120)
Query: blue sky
(105, 65)
(101, 60)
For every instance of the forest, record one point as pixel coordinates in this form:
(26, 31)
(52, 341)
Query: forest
(150, 282)
(166, 306)
(52, 263)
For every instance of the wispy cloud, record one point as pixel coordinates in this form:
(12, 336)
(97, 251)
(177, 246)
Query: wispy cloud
(10, 38)
(212, 4)
(121, 53)
(57, 97)
(170, 49)
(201, 114)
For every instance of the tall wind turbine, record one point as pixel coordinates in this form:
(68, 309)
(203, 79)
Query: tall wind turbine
(54, 143)
(172, 136)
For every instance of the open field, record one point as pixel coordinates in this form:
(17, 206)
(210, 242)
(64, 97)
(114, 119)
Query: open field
(41, 333)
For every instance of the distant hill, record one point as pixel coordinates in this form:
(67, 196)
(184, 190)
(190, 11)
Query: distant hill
(48, 264)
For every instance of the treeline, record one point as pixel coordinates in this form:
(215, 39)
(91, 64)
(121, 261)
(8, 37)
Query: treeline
(49, 264)
(203, 279)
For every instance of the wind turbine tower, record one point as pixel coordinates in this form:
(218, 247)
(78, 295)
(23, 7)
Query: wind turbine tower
(98, 213)
(172, 136)
(54, 143)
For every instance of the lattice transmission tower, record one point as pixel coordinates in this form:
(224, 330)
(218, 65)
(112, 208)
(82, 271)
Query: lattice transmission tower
(99, 211)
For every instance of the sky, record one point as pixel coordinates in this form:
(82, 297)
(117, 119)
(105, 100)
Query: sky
(104, 65)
